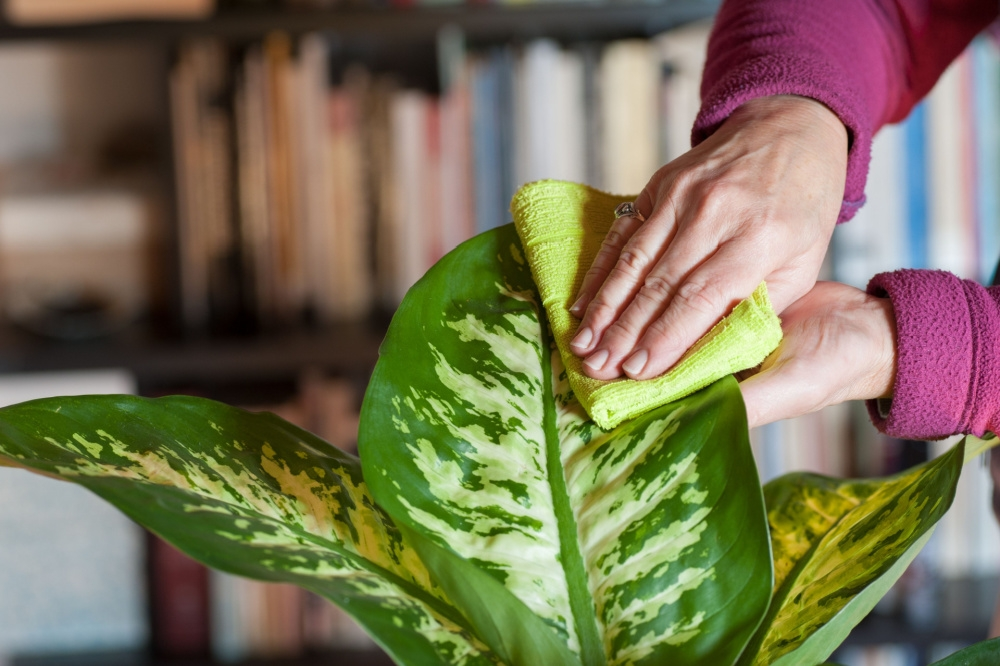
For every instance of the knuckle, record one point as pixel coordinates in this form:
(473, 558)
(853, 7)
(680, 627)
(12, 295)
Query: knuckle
(613, 240)
(624, 328)
(682, 180)
(699, 296)
(618, 233)
(633, 262)
(717, 190)
(649, 301)
(600, 311)
(656, 285)
(660, 331)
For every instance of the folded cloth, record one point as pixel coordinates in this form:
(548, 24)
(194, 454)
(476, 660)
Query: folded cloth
(561, 226)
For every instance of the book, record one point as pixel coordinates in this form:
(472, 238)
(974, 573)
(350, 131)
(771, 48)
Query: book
(986, 144)
(203, 172)
(630, 125)
(75, 264)
(71, 565)
(457, 206)
(682, 59)
(488, 167)
(548, 101)
(411, 118)
(917, 205)
(949, 161)
(179, 602)
(347, 286)
(56, 12)
(878, 237)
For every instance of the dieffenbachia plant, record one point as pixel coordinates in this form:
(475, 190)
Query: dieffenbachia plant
(489, 521)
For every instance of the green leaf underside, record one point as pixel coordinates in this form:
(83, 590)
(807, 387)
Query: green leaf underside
(253, 495)
(639, 546)
(838, 546)
(986, 653)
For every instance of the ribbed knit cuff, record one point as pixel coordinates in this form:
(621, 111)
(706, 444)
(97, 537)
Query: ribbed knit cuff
(947, 362)
(805, 75)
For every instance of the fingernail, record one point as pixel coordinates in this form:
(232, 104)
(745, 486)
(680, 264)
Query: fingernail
(596, 360)
(636, 362)
(577, 307)
(583, 338)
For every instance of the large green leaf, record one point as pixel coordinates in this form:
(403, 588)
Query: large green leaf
(838, 546)
(986, 653)
(643, 545)
(253, 495)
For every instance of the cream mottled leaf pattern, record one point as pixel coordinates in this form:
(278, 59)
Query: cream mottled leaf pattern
(253, 495)
(838, 546)
(643, 545)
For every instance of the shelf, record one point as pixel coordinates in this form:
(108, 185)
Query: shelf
(339, 658)
(348, 349)
(570, 21)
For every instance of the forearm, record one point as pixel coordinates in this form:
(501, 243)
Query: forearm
(868, 61)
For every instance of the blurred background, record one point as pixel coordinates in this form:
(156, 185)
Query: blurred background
(229, 199)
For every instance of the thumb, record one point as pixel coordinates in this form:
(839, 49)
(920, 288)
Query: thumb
(774, 394)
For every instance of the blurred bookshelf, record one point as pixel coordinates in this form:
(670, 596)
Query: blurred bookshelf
(225, 332)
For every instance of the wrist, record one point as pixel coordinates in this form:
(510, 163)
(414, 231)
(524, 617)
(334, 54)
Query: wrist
(795, 112)
(881, 322)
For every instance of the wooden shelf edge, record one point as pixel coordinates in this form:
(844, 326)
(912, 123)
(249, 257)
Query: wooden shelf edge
(372, 657)
(564, 20)
(350, 350)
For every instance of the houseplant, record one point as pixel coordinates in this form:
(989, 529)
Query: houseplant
(488, 521)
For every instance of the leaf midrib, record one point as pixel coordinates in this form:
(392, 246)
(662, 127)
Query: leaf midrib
(578, 586)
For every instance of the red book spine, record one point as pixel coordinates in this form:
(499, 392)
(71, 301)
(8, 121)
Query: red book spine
(178, 601)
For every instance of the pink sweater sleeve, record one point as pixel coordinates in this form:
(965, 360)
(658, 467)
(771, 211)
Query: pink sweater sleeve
(948, 361)
(869, 61)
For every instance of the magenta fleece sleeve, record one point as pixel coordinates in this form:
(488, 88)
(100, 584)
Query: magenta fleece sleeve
(948, 360)
(869, 61)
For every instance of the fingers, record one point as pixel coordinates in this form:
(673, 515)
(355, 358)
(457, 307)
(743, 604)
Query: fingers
(621, 231)
(704, 296)
(623, 280)
(643, 296)
(619, 234)
(677, 304)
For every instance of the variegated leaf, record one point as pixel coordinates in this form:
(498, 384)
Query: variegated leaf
(253, 495)
(644, 545)
(838, 546)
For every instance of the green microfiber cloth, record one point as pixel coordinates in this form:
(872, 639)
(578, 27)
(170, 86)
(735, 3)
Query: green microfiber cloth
(561, 226)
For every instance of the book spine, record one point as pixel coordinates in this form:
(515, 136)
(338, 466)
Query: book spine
(180, 605)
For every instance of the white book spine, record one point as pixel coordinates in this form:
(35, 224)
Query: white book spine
(409, 119)
(949, 204)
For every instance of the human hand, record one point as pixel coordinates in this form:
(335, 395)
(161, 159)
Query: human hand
(756, 200)
(839, 344)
